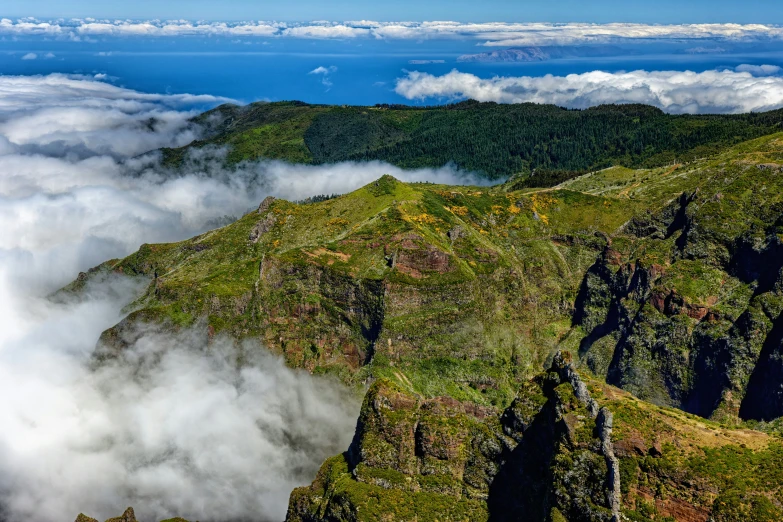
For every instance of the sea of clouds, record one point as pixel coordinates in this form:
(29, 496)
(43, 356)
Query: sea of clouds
(488, 34)
(174, 427)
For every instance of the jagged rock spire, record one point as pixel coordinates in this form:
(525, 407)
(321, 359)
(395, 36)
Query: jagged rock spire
(128, 516)
(604, 422)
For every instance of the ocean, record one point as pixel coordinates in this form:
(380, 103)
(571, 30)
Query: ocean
(357, 72)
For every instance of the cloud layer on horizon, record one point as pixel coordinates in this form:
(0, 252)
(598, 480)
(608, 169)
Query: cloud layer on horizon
(726, 91)
(489, 34)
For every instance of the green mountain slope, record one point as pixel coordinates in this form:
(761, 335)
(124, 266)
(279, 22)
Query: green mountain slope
(494, 140)
(665, 282)
(429, 279)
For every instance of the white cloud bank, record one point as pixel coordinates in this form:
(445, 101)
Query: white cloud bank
(173, 427)
(728, 91)
(490, 34)
(84, 116)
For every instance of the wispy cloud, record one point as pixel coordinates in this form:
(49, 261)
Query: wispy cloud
(42, 113)
(30, 56)
(727, 91)
(325, 72)
(489, 34)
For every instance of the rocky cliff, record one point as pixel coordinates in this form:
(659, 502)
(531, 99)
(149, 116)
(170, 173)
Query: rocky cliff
(566, 449)
(684, 307)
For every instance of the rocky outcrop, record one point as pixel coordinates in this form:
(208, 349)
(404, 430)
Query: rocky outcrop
(565, 368)
(266, 204)
(265, 225)
(603, 423)
(127, 516)
(262, 227)
(547, 453)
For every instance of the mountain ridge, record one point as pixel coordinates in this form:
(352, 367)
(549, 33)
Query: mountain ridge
(495, 141)
(447, 300)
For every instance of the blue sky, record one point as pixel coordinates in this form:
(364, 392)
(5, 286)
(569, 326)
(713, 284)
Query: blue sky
(660, 11)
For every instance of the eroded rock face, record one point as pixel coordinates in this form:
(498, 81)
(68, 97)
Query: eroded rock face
(413, 256)
(342, 326)
(701, 332)
(418, 458)
(414, 261)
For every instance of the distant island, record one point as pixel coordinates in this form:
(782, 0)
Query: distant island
(541, 54)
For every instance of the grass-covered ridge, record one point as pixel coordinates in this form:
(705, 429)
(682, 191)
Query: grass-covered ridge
(463, 291)
(494, 140)
(450, 290)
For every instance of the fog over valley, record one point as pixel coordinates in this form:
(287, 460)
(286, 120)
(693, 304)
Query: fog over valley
(174, 426)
